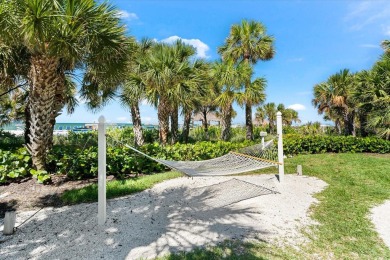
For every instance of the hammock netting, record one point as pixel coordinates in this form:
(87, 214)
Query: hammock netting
(244, 160)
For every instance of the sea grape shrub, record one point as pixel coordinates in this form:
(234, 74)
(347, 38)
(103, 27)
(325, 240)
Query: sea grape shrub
(14, 165)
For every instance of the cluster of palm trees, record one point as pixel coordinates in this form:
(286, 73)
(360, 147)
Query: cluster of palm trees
(46, 47)
(267, 114)
(358, 101)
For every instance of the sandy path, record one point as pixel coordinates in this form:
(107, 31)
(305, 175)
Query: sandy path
(380, 218)
(178, 214)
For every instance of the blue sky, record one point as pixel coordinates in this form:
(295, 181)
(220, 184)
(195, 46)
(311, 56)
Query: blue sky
(313, 39)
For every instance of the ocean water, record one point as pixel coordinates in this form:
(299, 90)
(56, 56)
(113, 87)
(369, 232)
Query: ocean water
(68, 126)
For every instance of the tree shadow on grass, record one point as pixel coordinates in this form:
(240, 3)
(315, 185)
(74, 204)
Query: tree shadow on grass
(148, 224)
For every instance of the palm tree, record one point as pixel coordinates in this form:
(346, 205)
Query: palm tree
(230, 78)
(57, 37)
(260, 114)
(169, 78)
(133, 89)
(207, 102)
(270, 112)
(336, 94)
(253, 95)
(290, 116)
(386, 46)
(248, 42)
(372, 94)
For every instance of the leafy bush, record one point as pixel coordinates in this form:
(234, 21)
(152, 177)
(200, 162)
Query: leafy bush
(14, 165)
(10, 141)
(300, 144)
(82, 164)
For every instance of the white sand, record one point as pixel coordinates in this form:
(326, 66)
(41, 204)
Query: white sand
(174, 215)
(381, 220)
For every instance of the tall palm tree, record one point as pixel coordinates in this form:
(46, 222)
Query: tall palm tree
(248, 42)
(254, 94)
(59, 37)
(230, 78)
(372, 94)
(134, 89)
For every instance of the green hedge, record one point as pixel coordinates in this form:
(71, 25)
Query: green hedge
(77, 163)
(81, 164)
(299, 144)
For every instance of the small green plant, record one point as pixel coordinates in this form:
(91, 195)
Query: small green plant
(14, 165)
(40, 175)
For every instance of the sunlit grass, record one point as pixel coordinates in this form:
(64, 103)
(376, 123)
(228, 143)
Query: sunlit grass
(116, 188)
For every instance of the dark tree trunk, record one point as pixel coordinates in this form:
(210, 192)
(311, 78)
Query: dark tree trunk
(163, 119)
(186, 125)
(226, 122)
(137, 125)
(205, 124)
(363, 124)
(248, 122)
(27, 117)
(174, 124)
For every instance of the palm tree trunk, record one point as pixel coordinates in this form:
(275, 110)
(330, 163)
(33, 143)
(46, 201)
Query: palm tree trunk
(186, 125)
(248, 122)
(58, 105)
(27, 117)
(338, 126)
(43, 82)
(226, 122)
(174, 124)
(363, 123)
(163, 119)
(137, 125)
(205, 124)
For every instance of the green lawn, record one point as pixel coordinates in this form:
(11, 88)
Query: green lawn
(357, 182)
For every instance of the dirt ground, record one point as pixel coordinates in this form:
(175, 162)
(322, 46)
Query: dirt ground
(28, 194)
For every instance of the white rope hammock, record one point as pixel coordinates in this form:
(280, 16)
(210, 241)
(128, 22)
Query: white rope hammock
(245, 160)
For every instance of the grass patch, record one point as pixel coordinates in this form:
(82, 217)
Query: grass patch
(116, 188)
(357, 182)
(232, 249)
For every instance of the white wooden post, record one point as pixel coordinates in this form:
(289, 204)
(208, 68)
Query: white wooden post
(280, 145)
(9, 222)
(102, 171)
(299, 170)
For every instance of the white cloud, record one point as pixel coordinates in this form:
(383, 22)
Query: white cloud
(300, 59)
(369, 13)
(374, 46)
(128, 16)
(122, 119)
(201, 47)
(297, 107)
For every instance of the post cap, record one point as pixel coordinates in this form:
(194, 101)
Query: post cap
(102, 119)
(279, 113)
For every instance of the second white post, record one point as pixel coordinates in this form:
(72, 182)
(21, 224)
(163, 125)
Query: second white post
(280, 145)
(102, 171)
